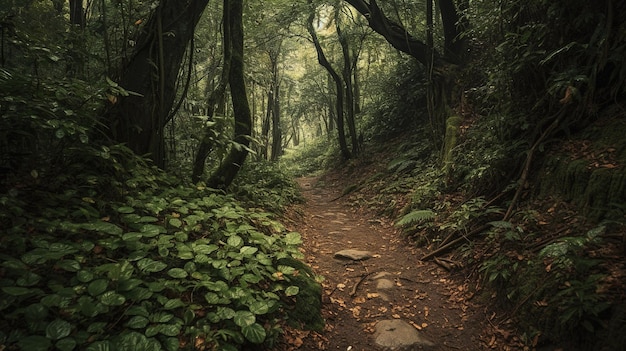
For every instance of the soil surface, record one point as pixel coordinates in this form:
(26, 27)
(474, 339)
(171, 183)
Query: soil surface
(439, 304)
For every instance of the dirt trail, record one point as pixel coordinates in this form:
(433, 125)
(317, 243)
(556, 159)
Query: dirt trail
(423, 294)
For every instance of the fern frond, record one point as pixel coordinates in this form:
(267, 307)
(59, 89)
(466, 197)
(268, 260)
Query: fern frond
(416, 216)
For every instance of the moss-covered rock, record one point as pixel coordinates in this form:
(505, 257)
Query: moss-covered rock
(590, 171)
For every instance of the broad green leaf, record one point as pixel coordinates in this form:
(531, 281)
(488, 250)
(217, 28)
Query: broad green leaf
(173, 303)
(255, 333)
(125, 209)
(148, 219)
(288, 270)
(89, 307)
(234, 241)
(128, 284)
(151, 230)
(132, 236)
(175, 222)
(139, 294)
(161, 317)
(28, 279)
(292, 290)
(137, 311)
(104, 227)
(66, 344)
(134, 341)
(138, 322)
(177, 273)
(251, 278)
(14, 265)
(97, 287)
(99, 346)
(97, 327)
(216, 285)
(171, 344)
(259, 307)
(34, 343)
(170, 329)
(150, 265)
(58, 329)
(111, 298)
(225, 313)
(84, 276)
(248, 250)
(293, 238)
(69, 265)
(204, 249)
(244, 318)
(153, 330)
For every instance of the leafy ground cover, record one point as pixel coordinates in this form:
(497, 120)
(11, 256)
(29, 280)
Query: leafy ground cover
(150, 264)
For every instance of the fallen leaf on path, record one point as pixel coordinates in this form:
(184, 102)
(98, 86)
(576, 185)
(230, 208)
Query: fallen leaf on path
(359, 299)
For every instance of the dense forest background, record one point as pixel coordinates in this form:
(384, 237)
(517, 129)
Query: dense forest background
(148, 148)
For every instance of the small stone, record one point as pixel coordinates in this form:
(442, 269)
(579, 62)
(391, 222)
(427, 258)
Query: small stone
(384, 284)
(381, 275)
(351, 254)
(396, 334)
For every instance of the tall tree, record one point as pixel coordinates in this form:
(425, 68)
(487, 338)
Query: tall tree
(216, 99)
(151, 75)
(225, 174)
(339, 103)
(348, 66)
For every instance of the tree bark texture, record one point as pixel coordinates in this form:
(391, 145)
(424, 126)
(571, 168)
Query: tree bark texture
(226, 173)
(151, 74)
(215, 101)
(347, 79)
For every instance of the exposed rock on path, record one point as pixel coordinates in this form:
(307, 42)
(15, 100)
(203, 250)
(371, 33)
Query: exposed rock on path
(389, 301)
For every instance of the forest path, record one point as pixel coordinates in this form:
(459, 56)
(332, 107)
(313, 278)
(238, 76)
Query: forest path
(392, 285)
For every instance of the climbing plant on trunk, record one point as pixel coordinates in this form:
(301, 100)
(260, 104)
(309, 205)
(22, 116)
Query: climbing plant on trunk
(151, 75)
(225, 174)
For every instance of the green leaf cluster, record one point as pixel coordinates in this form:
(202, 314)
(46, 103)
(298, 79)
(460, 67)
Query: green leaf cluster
(152, 265)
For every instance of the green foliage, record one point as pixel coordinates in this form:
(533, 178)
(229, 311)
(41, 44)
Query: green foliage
(560, 287)
(169, 263)
(395, 108)
(416, 216)
(100, 250)
(310, 158)
(266, 185)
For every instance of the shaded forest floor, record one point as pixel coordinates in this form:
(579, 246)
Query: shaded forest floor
(439, 304)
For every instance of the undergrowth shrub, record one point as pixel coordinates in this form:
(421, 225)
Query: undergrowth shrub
(310, 158)
(555, 294)
(266, 185)
(102, 251)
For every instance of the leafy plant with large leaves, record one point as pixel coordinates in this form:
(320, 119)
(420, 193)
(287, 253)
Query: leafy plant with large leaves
(102, 251)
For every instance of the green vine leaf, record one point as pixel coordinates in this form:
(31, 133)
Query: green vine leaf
(58, 329)
(254, 333)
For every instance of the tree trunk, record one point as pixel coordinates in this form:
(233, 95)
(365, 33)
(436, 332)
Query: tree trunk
(347, 79)
(228, 170)
(215, 101)
(277, 135)
(321, 58)
(151, 75)
(394, 33)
